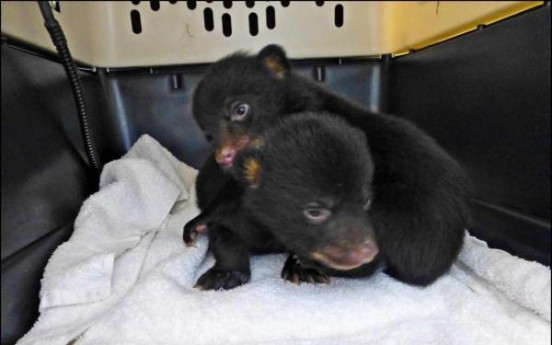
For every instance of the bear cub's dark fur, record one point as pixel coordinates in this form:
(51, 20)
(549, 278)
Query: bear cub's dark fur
(304, 191)
(420, 206)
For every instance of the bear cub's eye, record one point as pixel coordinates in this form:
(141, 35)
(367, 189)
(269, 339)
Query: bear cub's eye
(240, 111)
(316, 214)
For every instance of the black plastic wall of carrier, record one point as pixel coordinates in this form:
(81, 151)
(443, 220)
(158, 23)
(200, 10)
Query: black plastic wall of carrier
(45, 177)
(484, 96)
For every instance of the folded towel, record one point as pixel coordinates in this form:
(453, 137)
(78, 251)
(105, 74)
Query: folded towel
(103, 259)
(527, 283)
(460, 308)
(488, 297)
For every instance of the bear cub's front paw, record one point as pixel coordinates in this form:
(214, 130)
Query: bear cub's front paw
(295, 273)
(217, 279)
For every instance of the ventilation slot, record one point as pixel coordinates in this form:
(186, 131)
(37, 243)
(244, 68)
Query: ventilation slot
(227, 4)
(338, 19)
(191, 5)
(135, 2)
(284, 3)
(319, 3)
(154, 5)
(172, 2)
(270, 17)
(320, 74)
(226, 25)
(135, 21)
(250, 4)
(253, 24)
(176, 81)
(208, 19)
(56, 7)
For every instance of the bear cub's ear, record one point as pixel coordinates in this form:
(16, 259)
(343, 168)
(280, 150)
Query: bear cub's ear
(275, 59)
(248, 168)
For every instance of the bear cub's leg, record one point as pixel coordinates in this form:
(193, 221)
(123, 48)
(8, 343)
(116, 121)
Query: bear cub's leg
(231, 268)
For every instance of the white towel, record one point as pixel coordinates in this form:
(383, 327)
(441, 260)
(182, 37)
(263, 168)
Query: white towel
(88, 275)
(489, 296)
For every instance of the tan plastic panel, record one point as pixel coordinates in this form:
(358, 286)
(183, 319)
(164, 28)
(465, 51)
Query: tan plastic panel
(417, 24)
(100, 33)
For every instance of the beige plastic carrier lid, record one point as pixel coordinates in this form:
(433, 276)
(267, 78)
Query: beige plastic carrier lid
(156, 33)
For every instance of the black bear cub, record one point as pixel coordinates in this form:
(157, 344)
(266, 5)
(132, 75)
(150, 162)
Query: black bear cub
(420, 206)
(305, 191)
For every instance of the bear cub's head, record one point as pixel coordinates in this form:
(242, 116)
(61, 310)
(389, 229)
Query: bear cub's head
(242, 95)
(309, 183)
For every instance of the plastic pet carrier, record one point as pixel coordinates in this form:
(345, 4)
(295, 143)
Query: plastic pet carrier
(474, 75)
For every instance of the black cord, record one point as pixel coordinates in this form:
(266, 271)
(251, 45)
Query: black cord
(58, 38)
